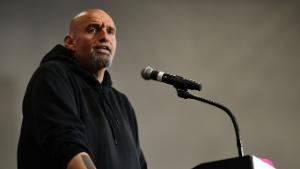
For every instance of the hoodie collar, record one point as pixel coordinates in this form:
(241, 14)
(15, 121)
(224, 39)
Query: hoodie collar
(61, 54)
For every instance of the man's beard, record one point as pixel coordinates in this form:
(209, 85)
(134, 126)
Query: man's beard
(100, 60)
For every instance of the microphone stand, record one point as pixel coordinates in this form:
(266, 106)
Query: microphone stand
(183, 93)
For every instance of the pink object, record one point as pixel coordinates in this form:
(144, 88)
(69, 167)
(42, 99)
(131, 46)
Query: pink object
(267, 161)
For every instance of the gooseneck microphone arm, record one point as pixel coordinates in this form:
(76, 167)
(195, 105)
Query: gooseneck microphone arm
(182, 86)
(186, 95)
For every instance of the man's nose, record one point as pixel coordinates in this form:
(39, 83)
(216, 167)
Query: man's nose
(103, 36)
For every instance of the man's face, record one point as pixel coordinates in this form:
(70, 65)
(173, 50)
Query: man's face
(94, 37)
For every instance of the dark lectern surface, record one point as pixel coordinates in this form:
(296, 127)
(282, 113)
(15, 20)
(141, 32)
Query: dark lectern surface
(245, 162)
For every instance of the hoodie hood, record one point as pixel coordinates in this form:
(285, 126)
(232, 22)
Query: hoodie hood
(63, 55)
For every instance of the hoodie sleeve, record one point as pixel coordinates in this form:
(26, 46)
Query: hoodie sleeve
(51, 107)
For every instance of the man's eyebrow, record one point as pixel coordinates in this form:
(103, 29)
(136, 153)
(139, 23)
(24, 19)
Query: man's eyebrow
(111, 28)
(98, 25)
(93, 25)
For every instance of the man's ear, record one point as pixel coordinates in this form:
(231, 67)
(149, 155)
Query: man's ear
(69, 43)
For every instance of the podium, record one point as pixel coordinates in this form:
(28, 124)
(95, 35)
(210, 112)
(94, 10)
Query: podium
(245, 162)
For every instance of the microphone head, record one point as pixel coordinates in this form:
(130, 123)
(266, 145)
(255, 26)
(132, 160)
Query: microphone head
(146, 72)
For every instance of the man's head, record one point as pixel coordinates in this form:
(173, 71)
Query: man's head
(92, 39)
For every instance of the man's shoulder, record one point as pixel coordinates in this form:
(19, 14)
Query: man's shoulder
(50, 71)
(55, 66)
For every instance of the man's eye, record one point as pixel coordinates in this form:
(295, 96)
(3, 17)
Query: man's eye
(111, 31)
(92, 30)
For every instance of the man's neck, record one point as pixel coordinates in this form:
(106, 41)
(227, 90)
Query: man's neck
(99, 75)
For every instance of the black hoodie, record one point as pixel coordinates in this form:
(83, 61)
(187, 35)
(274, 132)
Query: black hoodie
(67, 111)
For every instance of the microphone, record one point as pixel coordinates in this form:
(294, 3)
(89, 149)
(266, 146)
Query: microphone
(177, 81)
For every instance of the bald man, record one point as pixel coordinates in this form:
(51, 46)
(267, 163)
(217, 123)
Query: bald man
(72, 116)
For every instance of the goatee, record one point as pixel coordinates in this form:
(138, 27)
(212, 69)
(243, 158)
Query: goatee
(100, 60)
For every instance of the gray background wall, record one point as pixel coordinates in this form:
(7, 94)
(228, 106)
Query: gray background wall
(245, 53)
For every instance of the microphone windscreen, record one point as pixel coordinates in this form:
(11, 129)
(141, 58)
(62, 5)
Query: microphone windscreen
(146, 72)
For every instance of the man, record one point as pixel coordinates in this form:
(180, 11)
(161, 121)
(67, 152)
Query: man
(72, 117)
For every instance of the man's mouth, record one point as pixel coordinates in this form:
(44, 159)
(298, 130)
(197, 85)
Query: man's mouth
(103, 48)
